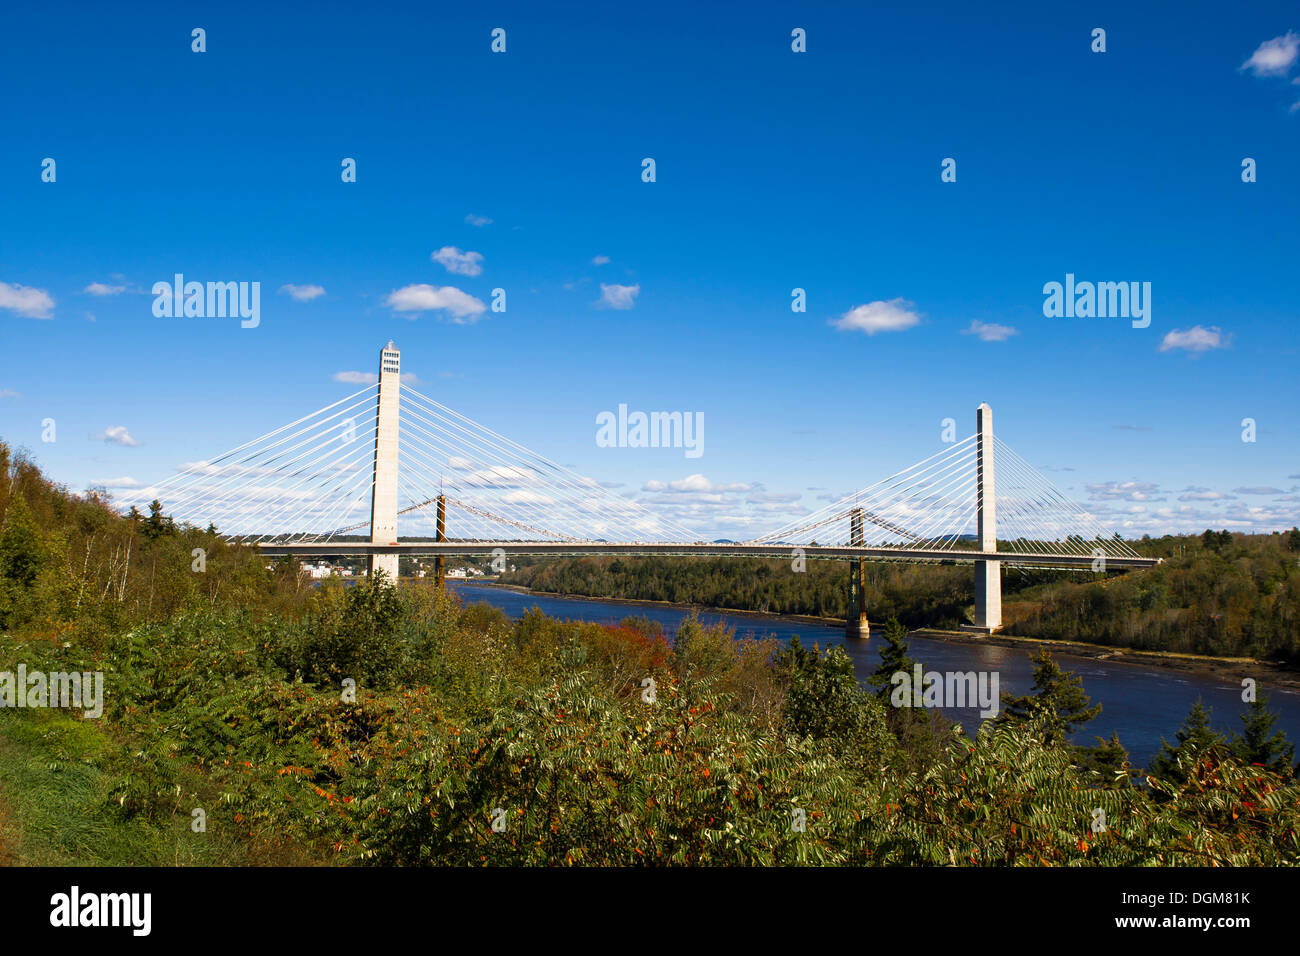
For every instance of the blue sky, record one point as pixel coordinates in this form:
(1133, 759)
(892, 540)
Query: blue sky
(775, 170)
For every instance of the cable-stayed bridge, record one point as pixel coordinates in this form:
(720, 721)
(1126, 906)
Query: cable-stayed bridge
(338, 481)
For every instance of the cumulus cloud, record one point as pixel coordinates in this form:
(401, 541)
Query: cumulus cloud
(458, 262)
(618, 296)
(25, 300)
(422, 297)
(757, 497)
(116, 435)
(1136, 519)
(694, 484)
(1258, 490)
(126, 481)
(1124, 490)
(600, 260)
(102, 288)
(989, 331)
(1274, 57)
(370, 378)
(1196, 339)
(479, 221)
(356, 378)
(302, 293)
(9, 393)
(879, 316)
(1202, 494)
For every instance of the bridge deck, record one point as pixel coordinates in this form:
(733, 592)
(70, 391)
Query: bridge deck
(575, 548)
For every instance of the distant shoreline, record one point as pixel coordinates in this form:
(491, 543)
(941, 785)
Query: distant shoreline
(1230, 669)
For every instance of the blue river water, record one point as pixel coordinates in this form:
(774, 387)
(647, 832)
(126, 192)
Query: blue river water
(1140, 703)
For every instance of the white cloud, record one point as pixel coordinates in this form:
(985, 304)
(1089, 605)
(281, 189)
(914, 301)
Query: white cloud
(773, 497)
(303, 293)
(989, 331)
(1202, 494)
(879, 316)
(600, 260)
(1136, 519)
(116, 435)
(1274, 57)
(1196, 339)
(9, 393)
(1258, 490)
(356, 378)
(694, 484)
(457, 262)
(100, 288)
(479, 221)
(1124, 490)
(25, 300)
(126, 481)
(422, 297)
(618, 296)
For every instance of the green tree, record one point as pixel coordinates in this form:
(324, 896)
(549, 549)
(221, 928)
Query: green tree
(894, 659)
(1260, 743)
(1108, 757)
(22, 557)
(21, 552)
(1058, 699)
(1195, 739)
(823, 698)
(157, 524)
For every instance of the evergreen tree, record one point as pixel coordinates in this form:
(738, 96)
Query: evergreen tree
(1260, 744)
(1108, 757)
(1058, 696)
(893, 659)
(1195, 739)
(157, 524)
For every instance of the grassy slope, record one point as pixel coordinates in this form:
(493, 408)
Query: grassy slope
(53, 810)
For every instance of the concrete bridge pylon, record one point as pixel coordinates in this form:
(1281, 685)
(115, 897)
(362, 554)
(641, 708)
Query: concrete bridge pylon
(383, 501)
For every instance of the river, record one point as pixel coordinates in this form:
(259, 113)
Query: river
(1139, 702)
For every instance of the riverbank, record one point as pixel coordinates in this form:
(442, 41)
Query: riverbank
(1230, 669)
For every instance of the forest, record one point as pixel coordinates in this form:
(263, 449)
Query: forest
(250, 718)
(1216, 593)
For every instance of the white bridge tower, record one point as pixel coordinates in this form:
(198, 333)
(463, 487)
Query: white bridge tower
(383, 501)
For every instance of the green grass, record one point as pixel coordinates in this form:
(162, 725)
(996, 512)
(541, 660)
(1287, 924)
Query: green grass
(54, 809)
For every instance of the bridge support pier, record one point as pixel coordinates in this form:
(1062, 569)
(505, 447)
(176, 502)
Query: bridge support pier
(988, 596)
(855, 625)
